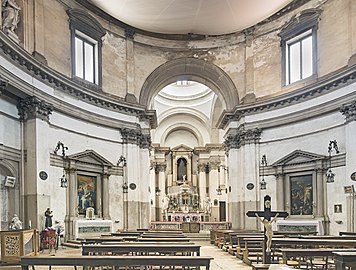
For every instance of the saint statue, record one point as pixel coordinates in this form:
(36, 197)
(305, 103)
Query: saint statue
(16, 223)
(48, 215)
(10, 15)
(207, 206)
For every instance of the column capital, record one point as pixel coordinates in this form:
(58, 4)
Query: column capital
(160, 167)
(242, 136)
(135, 136)
(349, 111)
(33, 107)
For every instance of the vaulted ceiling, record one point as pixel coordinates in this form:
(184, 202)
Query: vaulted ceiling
(205, 17)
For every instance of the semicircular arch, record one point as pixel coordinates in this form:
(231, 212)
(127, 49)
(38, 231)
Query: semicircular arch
(185, 127)
(191, 69)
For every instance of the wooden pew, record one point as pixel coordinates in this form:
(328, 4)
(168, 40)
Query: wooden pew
(117, 261)
(343, 259)
(141, 249)
(307, 255)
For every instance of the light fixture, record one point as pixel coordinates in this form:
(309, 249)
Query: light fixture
(125, 186)
(263, 184)
(218, 190)
(330, 175)
(63, 179)
(157, 191)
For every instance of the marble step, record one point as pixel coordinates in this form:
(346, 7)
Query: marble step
(72, 244)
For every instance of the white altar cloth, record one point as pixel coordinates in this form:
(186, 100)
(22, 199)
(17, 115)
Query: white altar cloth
(84, 227)
(300, 225)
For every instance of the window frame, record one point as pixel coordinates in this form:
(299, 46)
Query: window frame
(306, 24)
(87, 29)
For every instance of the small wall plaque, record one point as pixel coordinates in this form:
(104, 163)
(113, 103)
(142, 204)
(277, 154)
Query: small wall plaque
(353, 176)
(43, 175)
(132, 186)
(250, 186)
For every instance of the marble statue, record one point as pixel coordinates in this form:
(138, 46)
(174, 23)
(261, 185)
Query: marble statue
(207, 206)
(165, 205)
(10, 15)
(16, 223)
(269, 231)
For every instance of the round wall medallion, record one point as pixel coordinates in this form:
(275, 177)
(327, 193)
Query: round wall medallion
(132, 186)
(353, 176)
(43, 175)
(250, 186)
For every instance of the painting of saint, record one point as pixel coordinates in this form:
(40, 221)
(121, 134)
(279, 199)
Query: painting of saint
(86, 193)
(301, 195)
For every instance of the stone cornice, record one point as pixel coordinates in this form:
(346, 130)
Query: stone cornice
(349, 111)
(3, 85)
(324, 86)
(30, 65)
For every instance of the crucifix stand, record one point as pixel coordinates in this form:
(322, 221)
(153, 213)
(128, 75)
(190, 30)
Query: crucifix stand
(267, 214)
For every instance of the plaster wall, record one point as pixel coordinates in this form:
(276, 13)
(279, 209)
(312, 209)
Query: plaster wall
(228, 52)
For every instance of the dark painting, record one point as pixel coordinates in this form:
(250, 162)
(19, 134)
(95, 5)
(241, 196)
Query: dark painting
(301, 195)
(86, 193)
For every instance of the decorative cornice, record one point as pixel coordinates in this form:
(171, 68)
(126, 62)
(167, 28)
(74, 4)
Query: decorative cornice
(323, 86)
(349, 111)
(32, 66)
(33, 107)
(135, 136)
(241, 137)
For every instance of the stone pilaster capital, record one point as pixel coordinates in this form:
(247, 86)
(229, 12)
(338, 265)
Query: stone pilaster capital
(160, 167)
(242, 136)
(33, 107)
(349, 111)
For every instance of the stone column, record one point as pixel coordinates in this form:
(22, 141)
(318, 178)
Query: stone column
(72, 215)
(319, 206)
(349, 111)
(242, 149)
(202, 183)
(35, 115)
(105, 196)
(162, 186)
(280, 191)
(214, 164)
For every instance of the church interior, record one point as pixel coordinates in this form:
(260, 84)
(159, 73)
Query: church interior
(177, 115)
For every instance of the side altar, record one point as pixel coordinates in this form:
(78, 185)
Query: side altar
(92, 227)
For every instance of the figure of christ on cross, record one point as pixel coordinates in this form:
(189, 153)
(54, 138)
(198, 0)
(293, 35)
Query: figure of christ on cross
(265, 217)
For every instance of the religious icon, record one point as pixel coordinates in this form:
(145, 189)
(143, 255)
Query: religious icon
(86, 193)
(301, 195)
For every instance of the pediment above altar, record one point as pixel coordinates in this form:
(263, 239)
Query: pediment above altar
(182, 148)
(298, 157)
(90, 157)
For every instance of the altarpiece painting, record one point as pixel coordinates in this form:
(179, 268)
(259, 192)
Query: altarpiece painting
(86, 193)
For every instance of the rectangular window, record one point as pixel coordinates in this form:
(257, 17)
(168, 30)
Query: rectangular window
(301, 194)
(85, 58)
(299, 57)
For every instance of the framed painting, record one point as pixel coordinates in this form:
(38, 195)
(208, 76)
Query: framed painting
(301, 194)
(86, 193)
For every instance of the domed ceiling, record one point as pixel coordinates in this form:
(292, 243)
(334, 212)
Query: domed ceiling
(205, 17)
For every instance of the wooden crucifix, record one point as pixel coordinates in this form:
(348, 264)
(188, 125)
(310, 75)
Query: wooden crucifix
(265, 217)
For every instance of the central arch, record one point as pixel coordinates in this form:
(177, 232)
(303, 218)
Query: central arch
(191, 69)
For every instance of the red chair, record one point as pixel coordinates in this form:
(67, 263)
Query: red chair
(48, 240)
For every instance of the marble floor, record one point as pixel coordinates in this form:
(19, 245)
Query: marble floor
(222, 260)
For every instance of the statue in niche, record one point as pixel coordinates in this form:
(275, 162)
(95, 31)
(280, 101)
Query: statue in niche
(181, 169)
(10, 15)
(16, 223)
(207, 206)
(165, 205)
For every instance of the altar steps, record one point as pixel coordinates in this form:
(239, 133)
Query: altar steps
(198, 237)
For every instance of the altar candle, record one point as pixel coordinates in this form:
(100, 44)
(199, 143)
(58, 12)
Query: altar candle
(29, 224)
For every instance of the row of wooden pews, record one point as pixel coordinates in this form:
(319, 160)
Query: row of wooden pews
(146, 249)
(295, 250)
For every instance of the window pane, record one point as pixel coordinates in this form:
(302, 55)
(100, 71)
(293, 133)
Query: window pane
(301, 194)
(78, 57)
(294, 62)
(307, 57)
(89, 62)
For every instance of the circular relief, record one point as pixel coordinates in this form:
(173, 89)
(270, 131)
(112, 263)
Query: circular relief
(43, 175)
(250, 186)
(132, 186)
(353, 176)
